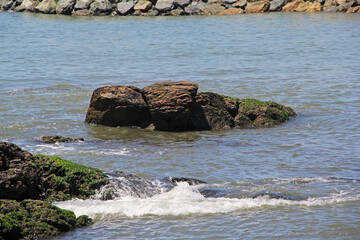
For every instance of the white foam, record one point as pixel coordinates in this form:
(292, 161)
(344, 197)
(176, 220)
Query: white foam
(183, 200)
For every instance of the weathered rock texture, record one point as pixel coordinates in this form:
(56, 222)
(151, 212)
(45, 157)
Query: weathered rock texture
(176, 7)
(176, 106)
(27, 186)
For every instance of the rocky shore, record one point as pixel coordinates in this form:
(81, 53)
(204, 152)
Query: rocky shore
(28, 186)
(175, 7)
(178, 106)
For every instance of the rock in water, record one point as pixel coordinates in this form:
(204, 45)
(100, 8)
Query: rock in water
(211, 113)
(118, 106)
(65, 7)
(171, 104)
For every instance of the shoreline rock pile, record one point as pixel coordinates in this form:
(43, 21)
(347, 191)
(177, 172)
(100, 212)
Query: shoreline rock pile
(177, 106)
(175, 7)
(28, 185)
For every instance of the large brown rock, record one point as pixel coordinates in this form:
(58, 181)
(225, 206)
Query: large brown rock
(211, 112)
(291, 6)
(171, 104)
(315, 7)
(354, 10)
(257, 7)
(232, 11)
(118, 106)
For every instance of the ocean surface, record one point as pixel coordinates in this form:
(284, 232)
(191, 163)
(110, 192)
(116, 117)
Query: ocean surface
(299, 180)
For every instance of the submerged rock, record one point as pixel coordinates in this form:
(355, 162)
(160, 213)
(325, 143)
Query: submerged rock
(57, 138)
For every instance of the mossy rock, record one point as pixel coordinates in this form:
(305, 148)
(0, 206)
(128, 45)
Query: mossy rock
(255, 113)
(35, 219)
(67, 179)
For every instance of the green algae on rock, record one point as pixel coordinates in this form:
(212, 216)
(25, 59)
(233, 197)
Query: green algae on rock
(35, 219)
(28, 185)
(177, 106)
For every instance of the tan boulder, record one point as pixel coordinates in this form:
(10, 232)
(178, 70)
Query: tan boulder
(232, 11)
(315, 7)
(257, 7)
(46, 6)
(212, 9)
(143, 6)
(291, 6)
(302, 7)
(354, 10)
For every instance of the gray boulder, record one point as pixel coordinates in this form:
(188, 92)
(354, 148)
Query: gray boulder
(164, 5)
(345, 6)
(195, 8)
(8, 5)
(153, 13)
(240, 4)
(330, 9)
(229, 1)
(82, 4)
(177, 12)
(46, 6)
(101, 7)
(126, 7)
(276, 5)
(27, 5)
(65, 7)
(181, 3)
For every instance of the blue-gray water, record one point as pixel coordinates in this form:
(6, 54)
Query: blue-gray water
(49, 66)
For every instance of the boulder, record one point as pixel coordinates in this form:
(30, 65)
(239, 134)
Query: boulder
(143, 6)
(255, 113)
(101, 7)
(302, 7)
(345, 6)
(240, 4)
(27, 5)
(177, 12)
(65, 6)
(181, 3)
(229, 1)
(34, 219)
(57, 138)
(330, 9)
(314, 7)
(125, 8)
(164, 5)
(354, 10)
(82, 4)
(212, 9)
(291, 6)
(195, 8)
(46, 6)
(152, 13)
(8, 5)
(170, 104)
(257, 7)
(329, 3)
(210, 113)
(83, 12)
(276, 5)
(232, 11)
(24, 176)
(118, 106)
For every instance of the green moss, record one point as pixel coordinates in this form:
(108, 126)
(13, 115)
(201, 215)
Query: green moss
(69, 179)
(35, 219)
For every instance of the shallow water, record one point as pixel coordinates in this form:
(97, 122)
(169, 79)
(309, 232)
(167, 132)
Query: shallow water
(49, 66)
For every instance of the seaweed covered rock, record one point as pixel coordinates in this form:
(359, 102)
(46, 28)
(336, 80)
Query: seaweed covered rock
(35, 219)
(24, 176)
(58, 138)
(176, 106)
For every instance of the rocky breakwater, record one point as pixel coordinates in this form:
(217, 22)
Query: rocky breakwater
(176, 7)
(177, 106)
(28, 185)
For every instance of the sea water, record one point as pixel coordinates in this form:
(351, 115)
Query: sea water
(299, 180)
